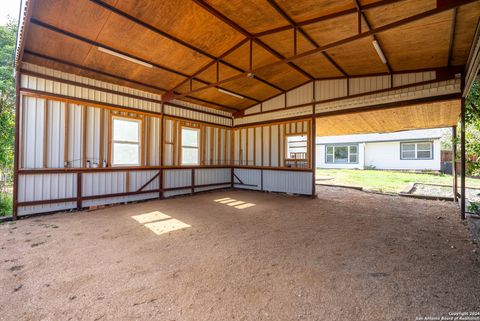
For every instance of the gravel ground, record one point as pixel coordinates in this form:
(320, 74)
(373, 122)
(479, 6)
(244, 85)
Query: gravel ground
(242, 255)
(444, 191)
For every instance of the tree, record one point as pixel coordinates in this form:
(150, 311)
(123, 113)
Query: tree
(7, 96)
(472, 129)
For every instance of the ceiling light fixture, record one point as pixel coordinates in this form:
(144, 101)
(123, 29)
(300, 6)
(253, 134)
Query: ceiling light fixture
(379, 51)
(229, 93)
(119, 55)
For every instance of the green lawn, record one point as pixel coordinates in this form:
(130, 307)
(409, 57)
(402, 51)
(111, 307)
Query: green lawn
(6, 204)
(384, 181)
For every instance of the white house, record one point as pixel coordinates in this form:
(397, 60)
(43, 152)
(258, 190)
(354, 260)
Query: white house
(407, 150)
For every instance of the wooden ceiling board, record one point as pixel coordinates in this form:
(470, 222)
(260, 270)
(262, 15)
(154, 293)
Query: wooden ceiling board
(467, 19)
(185, 20)
(129, 37)
(429, 115)
(421, 44)
(394, 12)
(318, 66)
(119, 33)
(358, 58)
(283, 76)
(329, 31)
(212, 94)
(283, 42)
(252, 88)
(80, 17)
(241, 57)
(210, 74)
(55, 45)
(89, 74)
(253, 15)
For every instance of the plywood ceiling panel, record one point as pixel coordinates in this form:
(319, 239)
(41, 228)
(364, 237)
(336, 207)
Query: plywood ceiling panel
(252, 88)
(253, 15)
(412, 46)
(52, 44)
(212, 94)
(283, 76)
(283, 42)
(467, 19)
(89, 74)
(186, 21)
(430, 115)
(394, 12)
(318, 66)
(358, 58)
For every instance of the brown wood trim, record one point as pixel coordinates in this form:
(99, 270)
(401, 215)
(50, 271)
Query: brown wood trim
(45, 134)
(84, 136)
(101, 138)
(110, 169)
(212, 146)
(127, 182)
(66, 137)
(109, 140)
(274, 168)
(50, 201)
(270, 146)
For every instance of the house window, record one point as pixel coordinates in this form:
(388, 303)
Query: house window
(297, 147)
(126, 147)
(190, 146)
(417, 150)
(342, 154)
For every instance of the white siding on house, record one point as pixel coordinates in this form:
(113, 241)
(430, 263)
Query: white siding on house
(321, 158)
(386, 155)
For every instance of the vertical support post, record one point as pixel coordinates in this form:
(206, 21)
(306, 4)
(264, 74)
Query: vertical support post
(79, 191)
(250, 64)
(16, 156)
(454, 163)
(193, 180)
(463, 160)
(162, 134)
(313, 141)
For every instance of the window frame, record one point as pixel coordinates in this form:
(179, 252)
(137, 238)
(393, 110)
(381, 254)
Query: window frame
(113, 141)
(348, 153)
(286, 153)
(416, 150)
(198, 130)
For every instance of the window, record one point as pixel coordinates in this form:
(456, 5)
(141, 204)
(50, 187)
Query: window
(417, 150)
(190, 144)
(342, 154)
(297, 147)
(126, 141)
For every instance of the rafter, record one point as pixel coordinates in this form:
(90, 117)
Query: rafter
(247, 34)
(177, 40)
(361, 16)
(100, 45)
(154, 89)
(441, 7)
(292, 22)
(452, 37)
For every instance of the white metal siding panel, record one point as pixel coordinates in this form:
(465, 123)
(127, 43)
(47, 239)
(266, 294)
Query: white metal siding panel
(328, 89)
(300, 95)
(250, 177)
(366, 84)
(254, 109)
(287, 182)
(274, 141)
(56, 136)
(33, 113)
(177, 178)
(274, 103)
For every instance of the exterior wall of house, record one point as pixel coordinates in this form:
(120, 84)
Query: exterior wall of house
(322, 163)
(386, 155)
(383, 155)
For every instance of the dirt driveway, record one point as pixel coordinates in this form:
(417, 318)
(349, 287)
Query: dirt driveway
(239, 255)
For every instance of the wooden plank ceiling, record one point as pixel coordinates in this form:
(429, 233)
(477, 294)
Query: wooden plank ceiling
(211, 40)
(426, 115)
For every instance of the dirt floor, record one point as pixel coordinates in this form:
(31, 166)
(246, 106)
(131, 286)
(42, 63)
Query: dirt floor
(239, 255)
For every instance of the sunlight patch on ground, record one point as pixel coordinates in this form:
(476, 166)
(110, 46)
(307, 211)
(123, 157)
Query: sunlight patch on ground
(234, 203)
(160, 223)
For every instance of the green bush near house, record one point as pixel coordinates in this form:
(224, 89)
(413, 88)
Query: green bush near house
(6, 204)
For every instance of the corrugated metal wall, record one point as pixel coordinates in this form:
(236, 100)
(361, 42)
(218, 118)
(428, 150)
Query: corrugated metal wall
(298, 99)
(58, 134)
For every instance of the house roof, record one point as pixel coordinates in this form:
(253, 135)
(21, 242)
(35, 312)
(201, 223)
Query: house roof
(422, 134)
(189, 49)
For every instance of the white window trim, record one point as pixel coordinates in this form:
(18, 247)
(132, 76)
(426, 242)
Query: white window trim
(113, 141)
(416, 150)
(287, 156)
(190, 147)
(348, 157)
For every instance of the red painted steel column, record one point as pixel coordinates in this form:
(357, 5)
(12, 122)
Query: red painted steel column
(16, 158)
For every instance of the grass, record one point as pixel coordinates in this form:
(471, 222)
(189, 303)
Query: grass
(6, 204)
(386, 181)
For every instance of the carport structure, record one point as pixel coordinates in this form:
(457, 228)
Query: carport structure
(129, 100)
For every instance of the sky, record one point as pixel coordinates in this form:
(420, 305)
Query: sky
(9, 8)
